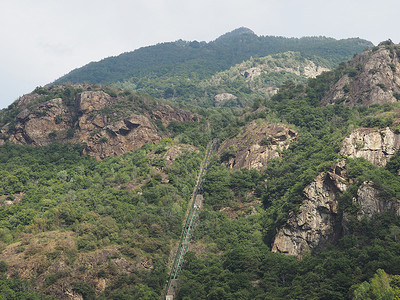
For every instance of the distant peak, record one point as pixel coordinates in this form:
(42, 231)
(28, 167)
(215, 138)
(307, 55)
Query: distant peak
(241, 30)
(237, 31)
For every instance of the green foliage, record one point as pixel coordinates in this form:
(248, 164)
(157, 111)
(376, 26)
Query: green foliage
(386, 182)
(3, 266)
(216, 187)
(180, 71)
(266, 141)
(16, 289)
(85, 290)
(378, 287)
(250, 270)
(393, 165)
(126, 200)
(181, 58)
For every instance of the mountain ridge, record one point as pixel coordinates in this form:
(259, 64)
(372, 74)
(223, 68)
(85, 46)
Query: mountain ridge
(181, 58)
(292, 175)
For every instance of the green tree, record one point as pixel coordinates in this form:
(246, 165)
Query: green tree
(378, 288)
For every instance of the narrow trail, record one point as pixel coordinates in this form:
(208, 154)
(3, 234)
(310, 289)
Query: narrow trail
(189, 224)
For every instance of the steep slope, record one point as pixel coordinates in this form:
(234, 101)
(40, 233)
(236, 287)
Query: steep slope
(77, 227)
(321, 218)
(372, 77)
(356, 188)
(89, 226)
(183, 58)
(258, 143)
(108, 124)
(240, 85)
(375, 145)
(263, 75)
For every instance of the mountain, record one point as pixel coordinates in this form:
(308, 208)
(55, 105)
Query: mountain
(201, 59)
(300, 201)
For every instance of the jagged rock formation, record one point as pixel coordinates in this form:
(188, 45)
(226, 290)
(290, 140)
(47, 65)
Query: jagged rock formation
(90, 120)
(372, 77)
(314, 224)
(375, 145)
(370, 203)
(317, 223)
(256, 144)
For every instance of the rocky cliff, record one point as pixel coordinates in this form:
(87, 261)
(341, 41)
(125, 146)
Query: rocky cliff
(371, 203)
(107, 124)
(314, 224)
(374, 144)
(372, 77)
(258, 142)
(318, 222)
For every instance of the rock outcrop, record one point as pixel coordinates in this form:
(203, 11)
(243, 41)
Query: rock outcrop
(308, 69)
(264, 74)
(370, 203)
(314, 224)
(93, 120)
(38, 126)
(372, 77)
(317, 221)
(221, 99)
(375, 145)
(256, 144)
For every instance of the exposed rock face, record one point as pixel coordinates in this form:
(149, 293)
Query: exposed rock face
(373, 78)
(89, 101)
(224, 97)
(36, 126)
(309, 70)
(370, 203)
(89, 122)
(260, 73)
(314, 224)
(120, 137)
(167, 114)
(317, 223)
(174, 151)
(258, 143)
(27, 99)
(375, 145)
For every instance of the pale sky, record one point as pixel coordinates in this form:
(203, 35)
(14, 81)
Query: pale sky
(42, 40)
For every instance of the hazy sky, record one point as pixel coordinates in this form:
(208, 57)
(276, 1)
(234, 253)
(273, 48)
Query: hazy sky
(42, 40)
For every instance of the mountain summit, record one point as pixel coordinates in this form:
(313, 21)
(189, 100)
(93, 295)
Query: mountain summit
(236, 32)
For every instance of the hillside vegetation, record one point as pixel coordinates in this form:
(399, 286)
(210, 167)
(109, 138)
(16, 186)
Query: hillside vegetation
(75, 225)
(240, 85)
(173, 63)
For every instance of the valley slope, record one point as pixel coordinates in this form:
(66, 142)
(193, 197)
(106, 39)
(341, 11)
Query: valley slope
(301, 200)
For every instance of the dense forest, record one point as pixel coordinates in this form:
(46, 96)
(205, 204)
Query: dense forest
(118, 220)
(194, 59)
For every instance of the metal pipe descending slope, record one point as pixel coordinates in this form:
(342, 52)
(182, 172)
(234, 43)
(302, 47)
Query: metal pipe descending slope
(191, 217)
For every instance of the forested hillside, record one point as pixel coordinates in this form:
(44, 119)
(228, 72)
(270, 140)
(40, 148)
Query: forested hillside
(240, 85)
(301, 201)
(200, 60)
